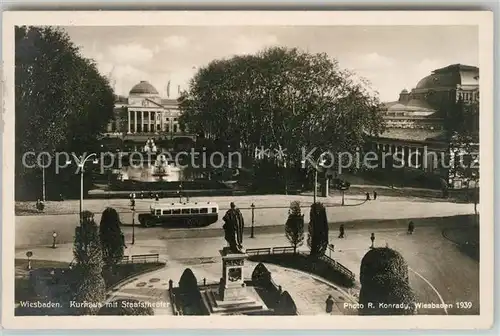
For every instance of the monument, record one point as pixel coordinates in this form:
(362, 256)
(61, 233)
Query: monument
(232, 296)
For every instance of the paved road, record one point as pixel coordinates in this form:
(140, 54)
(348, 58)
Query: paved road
(36, 230)
(439, 271)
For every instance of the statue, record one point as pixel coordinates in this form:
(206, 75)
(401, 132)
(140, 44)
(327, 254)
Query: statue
(233, 229)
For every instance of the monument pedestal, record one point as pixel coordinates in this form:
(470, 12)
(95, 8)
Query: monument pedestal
(233, 296)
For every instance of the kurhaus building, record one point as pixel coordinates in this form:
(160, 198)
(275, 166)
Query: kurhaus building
(415, 122)
(144, 114)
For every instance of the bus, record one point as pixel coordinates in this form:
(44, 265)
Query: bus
(189, 214)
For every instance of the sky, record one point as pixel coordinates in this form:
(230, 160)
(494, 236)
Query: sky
(392, 58)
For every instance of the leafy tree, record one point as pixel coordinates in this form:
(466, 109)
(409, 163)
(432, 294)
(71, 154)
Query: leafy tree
(87, 250)
(126, 307)
(318, 230)
(294, 227)
(463, 132)
(111, 236)
(282, 97)
(62, 102)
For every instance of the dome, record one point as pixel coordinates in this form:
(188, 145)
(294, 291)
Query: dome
(143, 87)
(404, 91)
(450, 76)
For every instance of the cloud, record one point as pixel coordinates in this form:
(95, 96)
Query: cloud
(372, 61)
(129, 54)
(175, 42)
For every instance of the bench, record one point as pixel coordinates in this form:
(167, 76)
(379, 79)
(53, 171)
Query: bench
(283, 250)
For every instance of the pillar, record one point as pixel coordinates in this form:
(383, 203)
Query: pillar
(142, 121)
(129, 117)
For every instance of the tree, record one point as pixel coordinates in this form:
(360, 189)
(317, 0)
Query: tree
(62, 102)
(462, 130)
(284, 98)
(91, 288)
(294, 227)
(111, 236)
(318, 230)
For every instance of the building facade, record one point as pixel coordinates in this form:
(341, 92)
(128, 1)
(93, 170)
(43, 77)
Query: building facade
(144, 114)
(415, 123)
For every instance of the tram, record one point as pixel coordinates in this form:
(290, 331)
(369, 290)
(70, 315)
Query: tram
(189, 214)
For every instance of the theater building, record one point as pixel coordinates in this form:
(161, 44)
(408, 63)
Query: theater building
(416, 121)
(144, 114)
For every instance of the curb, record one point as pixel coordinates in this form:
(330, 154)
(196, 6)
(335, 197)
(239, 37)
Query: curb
(320, 279)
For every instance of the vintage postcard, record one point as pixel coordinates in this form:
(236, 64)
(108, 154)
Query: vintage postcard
(247, 170)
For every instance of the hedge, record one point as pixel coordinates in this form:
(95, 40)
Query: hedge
(383, 260)
(386, 294)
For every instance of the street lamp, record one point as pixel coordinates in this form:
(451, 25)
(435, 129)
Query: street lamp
(54, 236)
(132, 206)
(253, 220)
(29, 254)
(317, 168)
(81, 166)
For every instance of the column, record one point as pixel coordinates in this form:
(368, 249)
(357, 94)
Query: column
(135, 121)
(142, 121)
(129, 117)
(162, 116)
(149, 121)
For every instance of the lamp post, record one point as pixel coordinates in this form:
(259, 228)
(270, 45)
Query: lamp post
(29, 254)
(81, 166)
(132, 206)
(54, 236)
(253, 220)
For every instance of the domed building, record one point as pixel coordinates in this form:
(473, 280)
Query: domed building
(144, 115)
(416, 121)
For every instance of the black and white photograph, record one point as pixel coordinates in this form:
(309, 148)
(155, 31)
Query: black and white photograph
(319, 165)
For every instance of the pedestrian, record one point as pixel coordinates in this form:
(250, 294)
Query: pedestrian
(341, 231)
(374, 195)
(329, 304)
(157, 198)
(372, 238)
(367, 196)
(411, 227)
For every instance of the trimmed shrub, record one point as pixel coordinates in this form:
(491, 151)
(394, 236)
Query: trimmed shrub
(188, 281)
(261, 275)
(294, 227)
(383, 260)
(286, 305)
(126, 307)
(111, 236)
(386, 294)
(91, 293)
(318, 230)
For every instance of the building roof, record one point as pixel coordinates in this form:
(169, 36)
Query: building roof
(450, 76)
(169, 101)
(143, 87)
(412, 134)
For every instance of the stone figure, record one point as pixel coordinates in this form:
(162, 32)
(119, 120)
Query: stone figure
(233, 229)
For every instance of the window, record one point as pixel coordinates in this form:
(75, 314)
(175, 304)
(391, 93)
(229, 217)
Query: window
(176, 211)
(214, 210)
(185, 211)
(204, 210)
(158, 212)
(195, 211)
(167, 212)
(175, 128)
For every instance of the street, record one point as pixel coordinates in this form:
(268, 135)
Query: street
(439, 271)
(37, 229)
